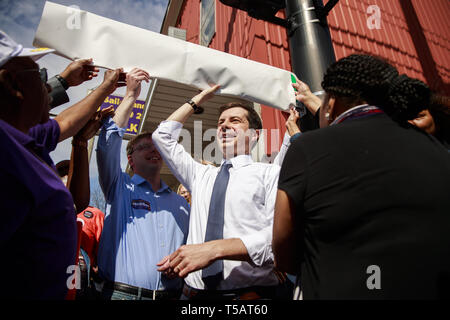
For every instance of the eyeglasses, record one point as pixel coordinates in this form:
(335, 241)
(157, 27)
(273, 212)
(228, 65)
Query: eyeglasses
(144, 146)
(42, 73)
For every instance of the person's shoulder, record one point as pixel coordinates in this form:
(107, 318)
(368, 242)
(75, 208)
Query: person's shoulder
(265, 169)
(50, 125)
(178, 201)
(176, 197)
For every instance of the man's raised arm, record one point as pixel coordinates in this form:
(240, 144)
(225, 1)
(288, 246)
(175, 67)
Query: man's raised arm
(75, 117)
(186, 110)
(110, 138)
(134, 79)
(166, 137)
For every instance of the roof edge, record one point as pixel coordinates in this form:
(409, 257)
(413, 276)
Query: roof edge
(171, 16)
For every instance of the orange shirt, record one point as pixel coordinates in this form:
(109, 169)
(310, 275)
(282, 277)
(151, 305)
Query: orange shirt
(91, 231)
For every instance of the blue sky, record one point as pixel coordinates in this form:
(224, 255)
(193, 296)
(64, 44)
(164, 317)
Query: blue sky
(20, 19)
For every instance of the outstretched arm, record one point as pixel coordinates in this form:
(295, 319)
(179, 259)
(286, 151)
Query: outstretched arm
(292, 133)
(75, 117)
(78, 177)
(165, 138)
(186, 110)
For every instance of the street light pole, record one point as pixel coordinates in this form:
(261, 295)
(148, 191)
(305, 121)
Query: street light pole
(309, 39)
(310, 45)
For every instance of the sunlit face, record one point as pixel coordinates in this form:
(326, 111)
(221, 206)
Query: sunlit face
(145, 156)
(233, 134)
(425, 122)
(182, 191)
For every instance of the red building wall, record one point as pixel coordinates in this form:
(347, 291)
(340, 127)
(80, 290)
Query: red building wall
(413, 35)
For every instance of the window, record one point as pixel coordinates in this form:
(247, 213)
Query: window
(207, 21)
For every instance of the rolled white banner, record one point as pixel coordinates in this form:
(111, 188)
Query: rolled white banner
(76, 34)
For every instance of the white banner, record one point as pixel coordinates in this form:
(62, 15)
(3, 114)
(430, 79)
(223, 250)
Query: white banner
(76, 34)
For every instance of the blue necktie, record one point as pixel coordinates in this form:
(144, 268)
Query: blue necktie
(213, 274)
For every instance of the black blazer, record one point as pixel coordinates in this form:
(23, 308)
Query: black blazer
(370, 193)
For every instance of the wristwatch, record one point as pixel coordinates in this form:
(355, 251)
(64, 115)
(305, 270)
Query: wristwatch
(62, 81)
(197, 109)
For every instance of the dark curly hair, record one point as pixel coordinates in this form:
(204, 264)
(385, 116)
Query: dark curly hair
(373, 80)
(408, 97)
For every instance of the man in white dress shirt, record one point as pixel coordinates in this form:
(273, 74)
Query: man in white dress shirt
(245, 249)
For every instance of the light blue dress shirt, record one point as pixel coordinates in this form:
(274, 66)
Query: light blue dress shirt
(141, 226)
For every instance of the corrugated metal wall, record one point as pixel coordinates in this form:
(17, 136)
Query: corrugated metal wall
(412, 35)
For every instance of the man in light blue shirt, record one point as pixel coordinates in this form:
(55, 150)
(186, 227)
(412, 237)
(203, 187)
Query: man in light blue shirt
(145, 220)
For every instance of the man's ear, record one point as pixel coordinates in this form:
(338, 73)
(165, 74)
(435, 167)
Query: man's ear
(9, 85)
(130, 161)
(254, 137)
(258, 134)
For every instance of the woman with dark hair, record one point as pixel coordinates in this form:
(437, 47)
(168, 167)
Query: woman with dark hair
(357, 216)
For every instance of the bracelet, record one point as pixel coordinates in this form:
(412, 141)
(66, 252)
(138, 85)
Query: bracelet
(62, 81)
(197, 109)
(79, 143)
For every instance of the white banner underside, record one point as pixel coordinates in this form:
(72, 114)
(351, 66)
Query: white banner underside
(77, 34)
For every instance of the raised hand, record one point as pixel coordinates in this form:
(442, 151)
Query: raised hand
(304, 95)
(92, 126)
(79, 71)
(206, 94)
(134, 79)
(110, 80)
(291, 122)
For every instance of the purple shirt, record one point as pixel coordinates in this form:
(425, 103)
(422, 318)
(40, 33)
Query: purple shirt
(38, 235)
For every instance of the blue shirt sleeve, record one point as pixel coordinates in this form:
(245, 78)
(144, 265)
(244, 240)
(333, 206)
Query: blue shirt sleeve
(108, 156)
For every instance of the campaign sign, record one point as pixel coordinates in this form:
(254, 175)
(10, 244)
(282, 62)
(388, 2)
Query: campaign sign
(135, 116)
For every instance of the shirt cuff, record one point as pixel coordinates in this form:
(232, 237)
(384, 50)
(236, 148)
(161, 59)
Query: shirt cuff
(111, 127)
(58, 94)
(171, 127)
(259, 247)
(287, 139)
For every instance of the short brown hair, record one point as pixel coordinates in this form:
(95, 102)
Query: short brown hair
(253, 117)
(135, 140)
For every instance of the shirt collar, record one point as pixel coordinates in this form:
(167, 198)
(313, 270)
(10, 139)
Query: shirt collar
(239, 161)
(137, 179)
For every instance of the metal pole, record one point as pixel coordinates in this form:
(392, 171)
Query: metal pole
(310, 46)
